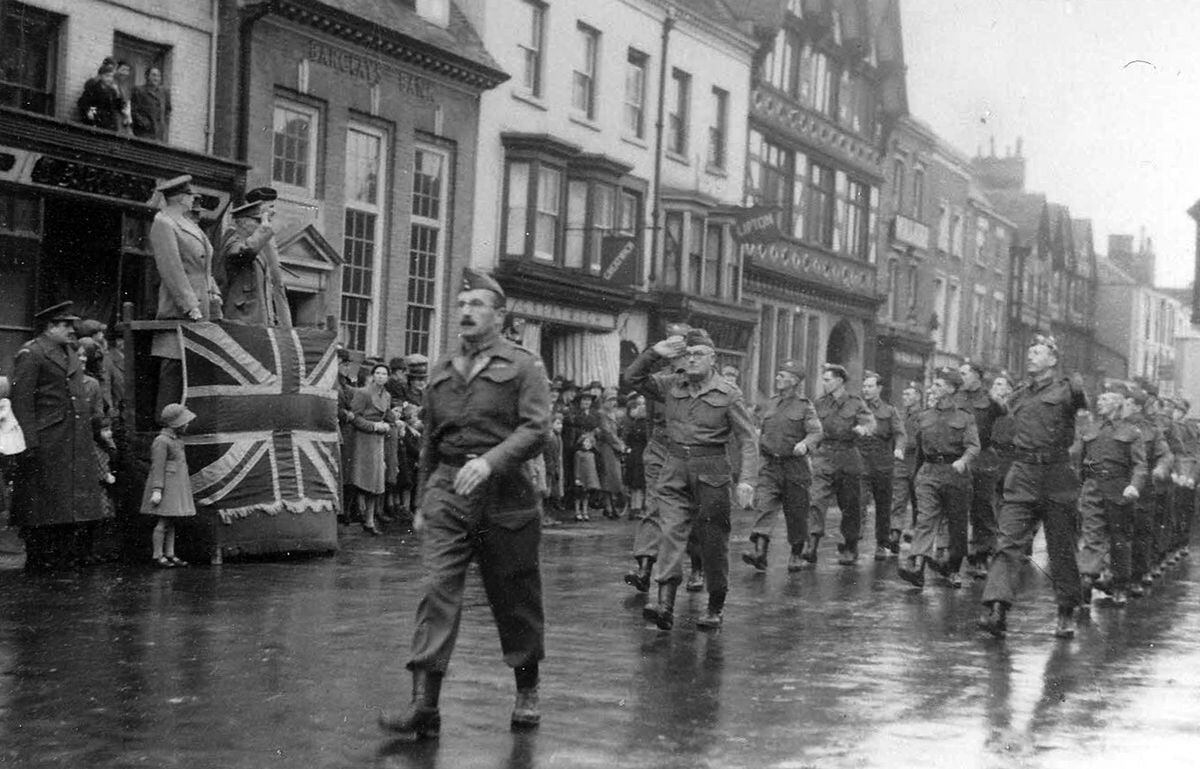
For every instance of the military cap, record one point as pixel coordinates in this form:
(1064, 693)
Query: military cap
(949, 376)
(696, 337)
(476, 279)
(56, 312)
(418, 365)
(175, 415)
(262, 195)
(397, 364)
(837, 370)
(176, 186)
(248, 209)
(1116, 387)
(793, 367)
(88, 327)
(1045, 340)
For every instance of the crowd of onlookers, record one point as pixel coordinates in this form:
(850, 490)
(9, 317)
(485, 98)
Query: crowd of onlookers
(111, 101)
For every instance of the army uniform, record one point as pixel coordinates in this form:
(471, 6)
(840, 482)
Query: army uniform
(694, 485)
(904, 473)
(1158, 460)
(984, 473)
(1164, 491)
(784, 481)
(1188, 469)
(946, 433)
(1041, 487)
(1112, 457)
(879, 464)
(837, 470)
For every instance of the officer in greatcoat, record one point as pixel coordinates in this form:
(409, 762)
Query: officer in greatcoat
(247, 264)
(55, 481)
(486, 413)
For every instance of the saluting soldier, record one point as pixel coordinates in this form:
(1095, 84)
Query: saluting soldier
(881, 450)
(947, 444)
(789, 432)
(975, 399)
(1138, 409)
(486, 413)
(703, 413)
(247, 266)
(1112, 458)
(1041, 488)
(55, 480)
(837, 465)
(903, 475)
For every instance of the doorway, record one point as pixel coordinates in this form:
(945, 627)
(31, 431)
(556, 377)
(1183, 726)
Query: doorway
(81, 256)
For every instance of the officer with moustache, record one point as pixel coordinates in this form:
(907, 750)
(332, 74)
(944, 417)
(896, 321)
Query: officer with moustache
(703, 413)
(486, 413)
(789, 432)
(1041, 489)
(975, 399)
(880, 451)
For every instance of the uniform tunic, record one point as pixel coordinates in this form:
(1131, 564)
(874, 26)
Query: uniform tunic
(492, 402)
(1158, 459)
(946, 433)
(879, 462)
(838, 466)
(1112, 456)
(984, 471)
(695, 481)
(904, 473)
(1041, 488)
(784, 481)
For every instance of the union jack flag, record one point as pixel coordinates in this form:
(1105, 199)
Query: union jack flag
(265, 437)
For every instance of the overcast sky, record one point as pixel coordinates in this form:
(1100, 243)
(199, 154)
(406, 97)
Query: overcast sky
(1105, 94)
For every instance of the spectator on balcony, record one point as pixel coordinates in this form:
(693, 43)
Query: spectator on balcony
(100, 104)
(151, 107)
(123, 79)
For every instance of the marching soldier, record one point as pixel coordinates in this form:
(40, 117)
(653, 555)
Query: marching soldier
(947, 444)
(837, 465)
(1186, 467)
(986, 410)
(904, 491)
(1138, 409)
(790, 431)
(486, 413)
(1113, 463)
(880, 450)
(1041, 488)
(1164, 490)
(703, 413)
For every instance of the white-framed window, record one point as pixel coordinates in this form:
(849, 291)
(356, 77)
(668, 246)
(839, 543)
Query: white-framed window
(918, 193)
(583, 79)
(363, 235)
(636, 65)
(679, 99)
(718, 131)
(533, 39)
(294, 151)
(943, 228)
(427, 248)
(898, 171)
(981, 239)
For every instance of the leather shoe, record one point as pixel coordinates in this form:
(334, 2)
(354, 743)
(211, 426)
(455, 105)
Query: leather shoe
(526, 715)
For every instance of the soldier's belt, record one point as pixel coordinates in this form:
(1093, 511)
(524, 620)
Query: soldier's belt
(1103, 473)
(687, 451)
(942, 459)
(1048, 457)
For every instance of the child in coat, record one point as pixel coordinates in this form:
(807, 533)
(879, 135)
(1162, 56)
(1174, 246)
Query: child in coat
(12, 439)
(587, 477)
(168, 493)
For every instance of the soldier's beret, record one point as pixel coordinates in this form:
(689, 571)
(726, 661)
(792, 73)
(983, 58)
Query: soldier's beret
(838, 370)
(696, 337)
(476, 279)
(793, 367)
(175, 186)
(950, 377)
(343, 354)
(1116, 387)
(397, 364)
(88, 327)
(262, 195)
(56, 312)
(175, 415)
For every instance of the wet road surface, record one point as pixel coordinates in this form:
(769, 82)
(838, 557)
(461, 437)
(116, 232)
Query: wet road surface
(286, 664)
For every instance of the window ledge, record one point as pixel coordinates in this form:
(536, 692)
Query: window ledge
(529, 99)
(585, 122)
(635, 141)
(676, 157)
(712, 170)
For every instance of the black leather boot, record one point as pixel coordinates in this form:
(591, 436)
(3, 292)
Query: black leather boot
(810, 550)
(912, 571)
(1065, 627)
(796, 560)
(757, 559)
(994, 620)
(713, 618)
(422, 720)
(662, 613)
(695, 580)
(639, 576)
(526, 715)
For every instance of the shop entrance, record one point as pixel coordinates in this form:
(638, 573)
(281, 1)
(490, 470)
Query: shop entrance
(81, 258)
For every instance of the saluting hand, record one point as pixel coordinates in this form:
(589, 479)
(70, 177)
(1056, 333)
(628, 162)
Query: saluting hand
(671, 347)
(473, 473)
(745, 494)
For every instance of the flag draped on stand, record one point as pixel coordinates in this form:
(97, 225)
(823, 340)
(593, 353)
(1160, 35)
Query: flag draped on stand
(265, 437)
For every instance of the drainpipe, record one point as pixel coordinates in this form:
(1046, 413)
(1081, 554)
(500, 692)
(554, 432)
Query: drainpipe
(249, 17)
(214, 20)
(656, 210)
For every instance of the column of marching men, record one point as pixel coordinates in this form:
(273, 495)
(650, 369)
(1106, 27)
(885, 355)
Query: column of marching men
(962, 476)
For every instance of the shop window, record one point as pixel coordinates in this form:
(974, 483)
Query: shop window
(583, 79)
(28, 57)
(20, 245)
(575, 236)
(533, 20)
(362, 236)
(546, 215)
(679, 99)
(718, 132)
(427, 248)
(635, 93)
(782, 338)
(294, 155)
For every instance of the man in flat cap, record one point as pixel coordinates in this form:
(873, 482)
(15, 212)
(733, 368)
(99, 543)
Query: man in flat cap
(486, 413)
(703, 412)
(248, 267)
(789, 432)
(837, 465)
(1140, 408)
(1041, 489)
(947, 443)
(1112, 460)
(55, 479)
(880, 450)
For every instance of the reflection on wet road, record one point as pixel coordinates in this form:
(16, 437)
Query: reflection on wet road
(286, 664)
